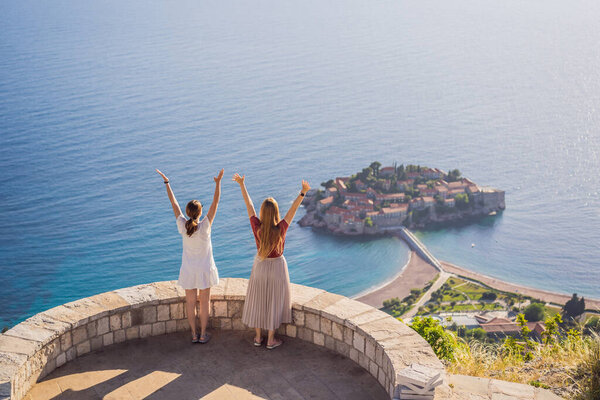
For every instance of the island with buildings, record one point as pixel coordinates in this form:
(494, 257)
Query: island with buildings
(380, 199)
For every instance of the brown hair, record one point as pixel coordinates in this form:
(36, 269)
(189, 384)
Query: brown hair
(269, 236)
(193, 210)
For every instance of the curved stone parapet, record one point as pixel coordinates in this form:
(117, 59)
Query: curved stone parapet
(379, 343)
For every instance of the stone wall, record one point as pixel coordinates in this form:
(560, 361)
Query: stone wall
(379, 343)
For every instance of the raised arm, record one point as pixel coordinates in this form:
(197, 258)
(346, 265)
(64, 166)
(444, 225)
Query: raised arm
(249, 206)
(292, 211)
(215, 203)
(174, 204)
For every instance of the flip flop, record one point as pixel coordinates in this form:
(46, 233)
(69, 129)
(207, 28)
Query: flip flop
(196, 338)
(207, 337)
(274, 346)
(258, 344)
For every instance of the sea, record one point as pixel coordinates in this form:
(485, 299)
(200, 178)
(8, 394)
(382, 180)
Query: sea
(94, 95)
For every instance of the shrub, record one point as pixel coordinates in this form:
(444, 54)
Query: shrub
(534, 312)
(442, 342)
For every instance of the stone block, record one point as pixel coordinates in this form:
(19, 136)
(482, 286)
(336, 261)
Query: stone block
(126, 321)
(65, 341)
(119, 336)
(301, 295)
(145, 330)
(379, 356)
(83, 348)
(91, 329)
(79, 335)
(235, 309)
(139, 296)
(159, 328)
(111, 302)
(97, 343)
(225, 323)
(182, 325)
(220, 308)
(370, 349)
(343, 309)
(348, 336)
(319, 338)
(236, 289)
(337, 331)
(364, 318)
(342, 348)
(162, 312)
(132, 333)
(61, 359)
(171, 326)
(312, 321)
(149, 315)
(87, 308)
(168, 292)
(176, 310)
(381, 378)
(74, 318)
(358, 342)
(329, 342)
(305, 334)
(373, 369)
(326, 326)
(102, 326)
(290, 330)
(509, 390)
(71, 353)
(298, 317)
(115, 322)
(353, 355)
(238, 325)
(108, 339)
(218, 292)
(321, 301)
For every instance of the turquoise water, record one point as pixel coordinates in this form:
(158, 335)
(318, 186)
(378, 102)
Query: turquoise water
(96, 94)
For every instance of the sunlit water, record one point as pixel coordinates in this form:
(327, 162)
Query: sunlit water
(96, 94)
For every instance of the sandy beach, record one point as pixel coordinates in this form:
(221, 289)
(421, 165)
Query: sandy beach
(415, 275)
(548, 297)
(418, 272)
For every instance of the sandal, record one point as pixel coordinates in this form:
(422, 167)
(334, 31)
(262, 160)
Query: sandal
(196, 338)
(207, 337)
(258, 344)
(275, 345)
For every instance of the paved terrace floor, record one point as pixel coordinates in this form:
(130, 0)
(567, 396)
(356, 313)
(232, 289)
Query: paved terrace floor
(228, 367)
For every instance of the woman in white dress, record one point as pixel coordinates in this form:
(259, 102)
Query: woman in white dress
(198, 270)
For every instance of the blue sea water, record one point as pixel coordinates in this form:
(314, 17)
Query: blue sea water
(96, 94)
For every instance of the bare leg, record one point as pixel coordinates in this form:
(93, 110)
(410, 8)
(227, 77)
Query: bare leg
(271, 339)
(204, 313)
(190, 307)
(258, 335)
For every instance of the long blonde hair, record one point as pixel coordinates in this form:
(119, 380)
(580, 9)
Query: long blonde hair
(269, 236)
(193, 210)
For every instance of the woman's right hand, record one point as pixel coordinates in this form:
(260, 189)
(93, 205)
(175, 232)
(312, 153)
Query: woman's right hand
(239, 179)
(163, 176)
(305, 187)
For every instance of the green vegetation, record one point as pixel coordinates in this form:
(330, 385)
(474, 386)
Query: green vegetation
(574, 307)
(397, 307)
(535, 312)
(442, 342)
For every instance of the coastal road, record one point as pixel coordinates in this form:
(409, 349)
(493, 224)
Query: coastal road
(425, 298)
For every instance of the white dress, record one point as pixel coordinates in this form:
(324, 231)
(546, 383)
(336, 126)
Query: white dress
(198, 269)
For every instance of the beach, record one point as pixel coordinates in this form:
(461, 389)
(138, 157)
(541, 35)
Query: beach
(417, 272)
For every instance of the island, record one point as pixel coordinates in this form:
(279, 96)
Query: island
(380, 200)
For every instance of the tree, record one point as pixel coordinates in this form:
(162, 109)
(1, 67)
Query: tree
(375, 167)
(441, 341)
(534, 312)
(461, 200)
(574, 307)
(453, 175)
(368, 222)
(491, 296)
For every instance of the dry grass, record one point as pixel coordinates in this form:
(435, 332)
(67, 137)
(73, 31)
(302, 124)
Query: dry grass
(567, 368)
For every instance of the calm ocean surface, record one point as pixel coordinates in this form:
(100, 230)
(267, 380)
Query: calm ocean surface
(96, 94)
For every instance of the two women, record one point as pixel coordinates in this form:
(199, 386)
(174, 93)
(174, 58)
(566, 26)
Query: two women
(267, 303)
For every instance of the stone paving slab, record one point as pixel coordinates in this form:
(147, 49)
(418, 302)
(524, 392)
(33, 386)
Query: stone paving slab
(228, 367)
(476, 388)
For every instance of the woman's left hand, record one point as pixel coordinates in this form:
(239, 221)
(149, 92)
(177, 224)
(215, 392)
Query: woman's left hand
(218, 177)
(305, 186)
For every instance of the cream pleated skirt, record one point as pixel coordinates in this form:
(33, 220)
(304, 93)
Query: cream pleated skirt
(268, 302)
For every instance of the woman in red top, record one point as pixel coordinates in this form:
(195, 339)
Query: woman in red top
(268, 303)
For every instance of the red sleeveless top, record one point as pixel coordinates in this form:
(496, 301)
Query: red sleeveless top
(283, 227)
